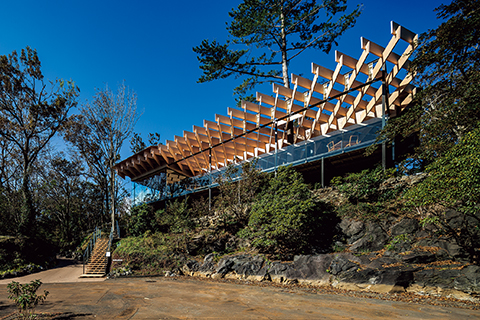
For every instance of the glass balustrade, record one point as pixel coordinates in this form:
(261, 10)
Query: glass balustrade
(356, 137)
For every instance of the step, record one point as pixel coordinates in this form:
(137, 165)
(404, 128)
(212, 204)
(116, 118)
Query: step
(98, 261)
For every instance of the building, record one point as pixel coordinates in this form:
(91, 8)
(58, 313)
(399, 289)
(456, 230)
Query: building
(320, 125)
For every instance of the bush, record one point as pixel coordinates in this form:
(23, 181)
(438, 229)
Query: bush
(151, 253)
(453, 181)
(25, 297)
(141, 219)
(285, 216)
(176, 218)
(238, 189)
(365, 199)
(364, 186)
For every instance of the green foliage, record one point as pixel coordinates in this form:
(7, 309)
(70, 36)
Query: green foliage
(366, 199)
(238, 190)
(152, 253)
(137, 144)
(392, 245)
(141, 219)
(31, 114)
(447, 70)
(199, 207)
(18, 253)
(364, 186)
(69, 204)
(285, 216)
(177, 217)
(25, 297)
(454, 179)
(275, 32)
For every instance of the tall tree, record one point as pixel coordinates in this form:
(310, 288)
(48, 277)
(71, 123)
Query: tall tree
(31, 113)
(69, 201)
(99, 133)
(269, 34)
(447, 68)
(137, 144)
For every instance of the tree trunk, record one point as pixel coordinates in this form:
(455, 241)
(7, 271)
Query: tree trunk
(284, 51)
(112, 196)
(28, 211)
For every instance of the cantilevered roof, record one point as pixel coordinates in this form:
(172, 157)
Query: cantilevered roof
(332, 100)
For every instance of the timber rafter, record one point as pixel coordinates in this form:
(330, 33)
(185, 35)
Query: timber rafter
(332, 100)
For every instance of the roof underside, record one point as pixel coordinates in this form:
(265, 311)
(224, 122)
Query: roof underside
(313, 107)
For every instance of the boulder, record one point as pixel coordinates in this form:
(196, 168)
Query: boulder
(352, 229)
(393, 279)
(341, 264)
(405, 226)
(468, 280)
(311, 267)
(242, 266)
(277, 271)
(375, 238)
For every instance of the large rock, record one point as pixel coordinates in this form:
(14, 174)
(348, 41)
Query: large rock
(390, 280)
(468, 280)
(375, 238)
(277, 271)
(352, 229)
(241, 266)
(405, 227)
(311, 267)
(341, 264)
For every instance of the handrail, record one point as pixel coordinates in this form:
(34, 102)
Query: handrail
(97, 233)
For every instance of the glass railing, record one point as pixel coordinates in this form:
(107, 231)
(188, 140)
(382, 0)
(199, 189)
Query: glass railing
(356, 137)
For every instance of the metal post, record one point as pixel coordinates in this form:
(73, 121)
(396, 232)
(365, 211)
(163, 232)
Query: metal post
(210, 180)
(384, 106)
(322, 173)
(276, 146)
(341, 143)
(306, 149)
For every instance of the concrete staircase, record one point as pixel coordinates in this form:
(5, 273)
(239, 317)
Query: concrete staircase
(97, 263)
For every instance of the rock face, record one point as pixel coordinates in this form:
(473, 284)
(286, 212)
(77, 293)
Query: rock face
(347, 271)
(388, 256)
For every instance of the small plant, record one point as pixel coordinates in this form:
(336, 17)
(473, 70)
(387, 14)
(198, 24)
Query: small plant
(25, 297)
(391, 246)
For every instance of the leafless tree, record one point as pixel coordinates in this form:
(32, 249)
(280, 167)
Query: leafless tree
(99, 133)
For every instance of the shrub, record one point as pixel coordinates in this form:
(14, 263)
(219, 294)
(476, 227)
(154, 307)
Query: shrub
(176, 218)
(363, 186)
(151, 253)
(284, 218)
(365, 199)
(141, 219)
(25, 297)
(238, 188)
(453, 181)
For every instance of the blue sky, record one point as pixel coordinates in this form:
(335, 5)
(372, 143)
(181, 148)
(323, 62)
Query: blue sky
(149, 45)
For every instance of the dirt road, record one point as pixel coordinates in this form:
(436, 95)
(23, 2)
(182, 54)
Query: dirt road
(170, 298)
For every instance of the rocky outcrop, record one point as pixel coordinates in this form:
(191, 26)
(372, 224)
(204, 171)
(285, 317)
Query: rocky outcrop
(387, 256)
(347, 271)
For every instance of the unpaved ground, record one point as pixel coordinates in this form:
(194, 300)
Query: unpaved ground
(171, 298)
(67, 270)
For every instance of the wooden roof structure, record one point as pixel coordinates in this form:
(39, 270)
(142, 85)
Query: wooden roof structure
(332, 100)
